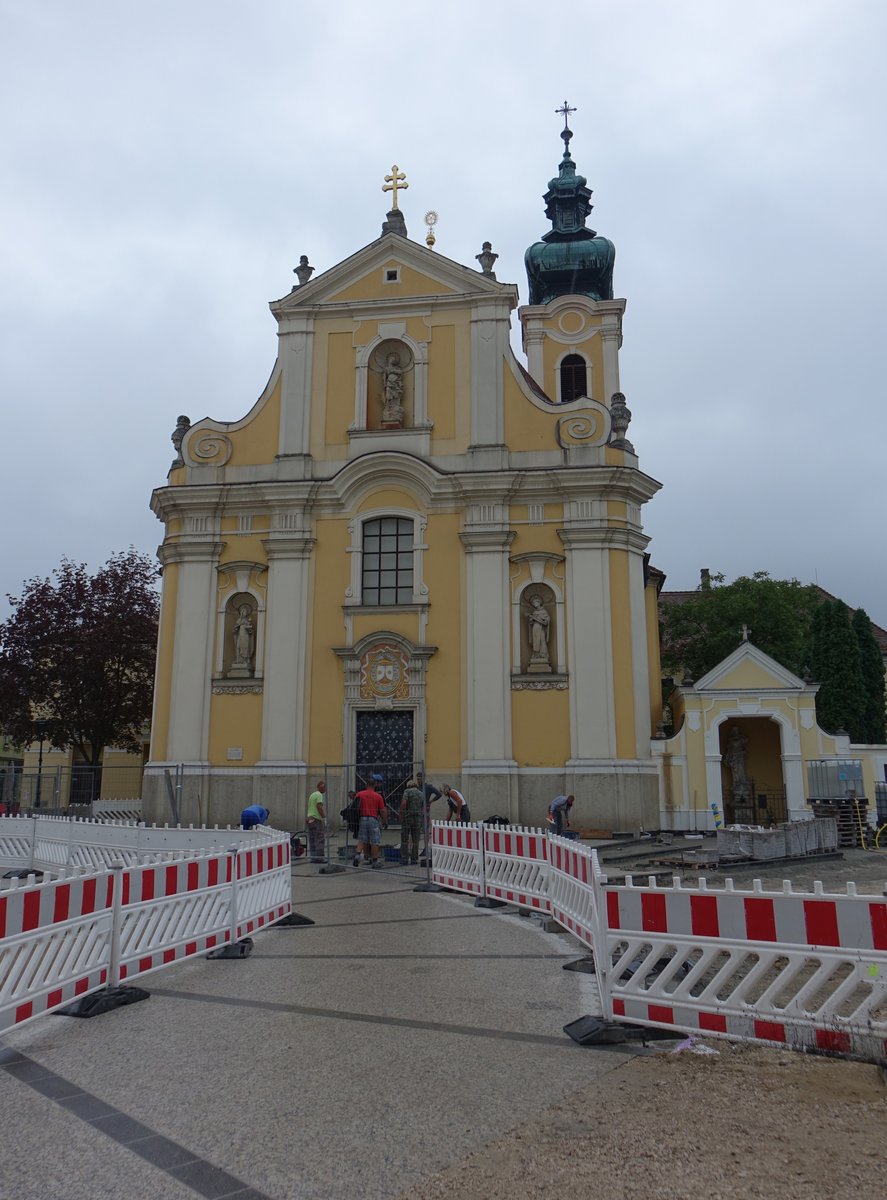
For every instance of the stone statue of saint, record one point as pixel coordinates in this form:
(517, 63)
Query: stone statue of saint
(244, 638)
(734, 758)
(538, 623)
(392, 384)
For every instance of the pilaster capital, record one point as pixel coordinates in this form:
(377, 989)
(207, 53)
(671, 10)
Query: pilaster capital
(189, 551)
(288, 546)
(589, 537)
(481, 541)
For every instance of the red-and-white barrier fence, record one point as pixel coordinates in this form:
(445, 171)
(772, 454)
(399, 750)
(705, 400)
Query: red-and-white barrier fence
(64, 938)
(50, 843)
(804, 969)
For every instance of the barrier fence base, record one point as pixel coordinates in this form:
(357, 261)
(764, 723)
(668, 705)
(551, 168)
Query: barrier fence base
(585, 965)
(428, 887)
(104, 1001)
(291, 921)
(330, 869)
(241, 949)
(595, 1031)
(489, 902)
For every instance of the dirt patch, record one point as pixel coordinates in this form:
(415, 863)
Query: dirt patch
(747, 1122)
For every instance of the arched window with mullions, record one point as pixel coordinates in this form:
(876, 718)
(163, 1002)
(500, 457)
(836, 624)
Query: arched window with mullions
(387, 561)
(573, 378)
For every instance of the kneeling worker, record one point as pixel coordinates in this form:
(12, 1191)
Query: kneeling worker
(253, 816)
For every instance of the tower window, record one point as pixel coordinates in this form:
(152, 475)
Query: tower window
(387, 566)
(573, 378)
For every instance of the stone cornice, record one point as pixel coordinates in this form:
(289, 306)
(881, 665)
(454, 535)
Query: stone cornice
(346, 652)
(389, 309)
(577, 537)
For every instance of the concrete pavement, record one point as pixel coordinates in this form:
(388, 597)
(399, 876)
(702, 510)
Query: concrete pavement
(348, 1058)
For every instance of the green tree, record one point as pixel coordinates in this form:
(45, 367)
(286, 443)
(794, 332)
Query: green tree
(872, 667)
(78, 652)
(699, 632)
(837, 667)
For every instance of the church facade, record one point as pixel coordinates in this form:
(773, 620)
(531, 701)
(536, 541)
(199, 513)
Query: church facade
(413, 549)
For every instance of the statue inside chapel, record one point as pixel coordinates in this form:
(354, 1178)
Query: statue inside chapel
(244, 641)
(392, 390)
(538, 626)
(734, 758)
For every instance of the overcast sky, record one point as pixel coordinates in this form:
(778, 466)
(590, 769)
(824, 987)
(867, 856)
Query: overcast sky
(164, 165)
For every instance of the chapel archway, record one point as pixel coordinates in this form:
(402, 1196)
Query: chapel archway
(752, 777)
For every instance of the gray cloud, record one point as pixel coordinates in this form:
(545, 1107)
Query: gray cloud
(164, 166)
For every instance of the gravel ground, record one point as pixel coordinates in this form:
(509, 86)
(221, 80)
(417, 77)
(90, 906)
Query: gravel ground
(745, 1122)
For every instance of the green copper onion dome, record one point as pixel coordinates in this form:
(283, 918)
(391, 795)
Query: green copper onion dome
(571, 259)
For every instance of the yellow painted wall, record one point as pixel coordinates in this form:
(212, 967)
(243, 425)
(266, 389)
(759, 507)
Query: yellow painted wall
(540, 723)
(389, 498)
(333, 405)
(623, 682)
(443, 575)
(654, 665)
(442, 383)
(527, 427)
(330, 577)
(245, 547)
(235, 721)
(258, 440)
(372, 286)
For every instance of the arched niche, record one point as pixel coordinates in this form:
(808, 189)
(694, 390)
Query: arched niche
(371, 364)
(391, 386)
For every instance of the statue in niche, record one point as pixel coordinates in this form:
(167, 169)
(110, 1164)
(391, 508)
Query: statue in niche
(734, 758)
(538, 628)
(244, 641)
(392, 388)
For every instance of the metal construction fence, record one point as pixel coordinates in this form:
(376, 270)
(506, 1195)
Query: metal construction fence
(404, 835)
(88, 929)
(62, 787)
(802, 969)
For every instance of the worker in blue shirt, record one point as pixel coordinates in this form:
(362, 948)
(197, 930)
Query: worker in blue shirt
(558, 812)
(253, 816)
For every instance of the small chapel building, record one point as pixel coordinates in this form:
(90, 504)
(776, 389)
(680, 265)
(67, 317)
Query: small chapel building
(413, 550)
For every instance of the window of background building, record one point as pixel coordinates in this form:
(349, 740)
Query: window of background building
(574, 378)
(387, 566)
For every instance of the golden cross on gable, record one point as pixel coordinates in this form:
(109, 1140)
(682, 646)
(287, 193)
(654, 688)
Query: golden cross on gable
(397, 179)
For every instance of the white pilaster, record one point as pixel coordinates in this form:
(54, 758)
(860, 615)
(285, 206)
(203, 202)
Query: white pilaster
(640, 681)
(487, 658)
(191, 689)
(489, 340)
(296, 339)
(589, 645)
(611, 335)
(285, 698)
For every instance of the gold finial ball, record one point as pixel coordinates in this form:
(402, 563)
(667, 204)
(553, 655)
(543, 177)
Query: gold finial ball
(430, 221)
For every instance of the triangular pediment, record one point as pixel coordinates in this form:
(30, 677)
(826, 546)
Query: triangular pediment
(749, 669)
(363, 277)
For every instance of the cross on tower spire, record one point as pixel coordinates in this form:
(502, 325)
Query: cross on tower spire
(397, 179)
(565, 110)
